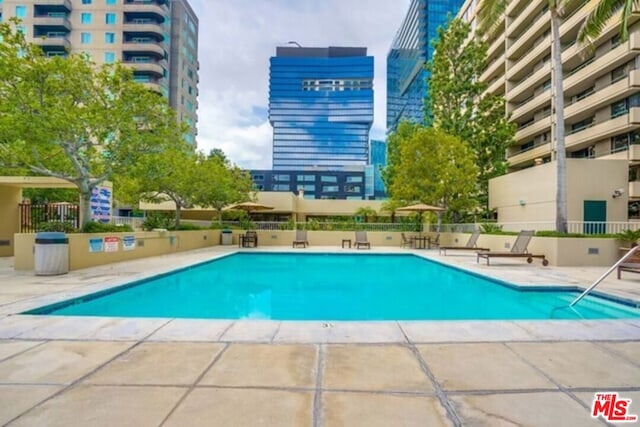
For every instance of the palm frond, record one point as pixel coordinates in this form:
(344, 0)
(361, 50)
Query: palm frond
(490, 13)
(596, 20)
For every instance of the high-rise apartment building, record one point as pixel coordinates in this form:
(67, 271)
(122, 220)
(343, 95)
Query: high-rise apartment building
(601, 90)
(410, 51)
(156, 38)
(320, 107)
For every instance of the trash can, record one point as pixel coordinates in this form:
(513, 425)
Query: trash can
(226, 237)
(51, 254)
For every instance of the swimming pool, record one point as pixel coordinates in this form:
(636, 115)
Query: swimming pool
(313, 286)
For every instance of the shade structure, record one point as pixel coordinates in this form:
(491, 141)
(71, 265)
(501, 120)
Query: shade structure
(249, 207)
(421, 208)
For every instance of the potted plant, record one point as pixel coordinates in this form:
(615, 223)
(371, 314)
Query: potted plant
(629, 237)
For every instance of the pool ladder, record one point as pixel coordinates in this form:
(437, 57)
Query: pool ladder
(601, 278)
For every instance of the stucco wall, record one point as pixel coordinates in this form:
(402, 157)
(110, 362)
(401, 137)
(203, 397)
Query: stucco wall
(9, 217)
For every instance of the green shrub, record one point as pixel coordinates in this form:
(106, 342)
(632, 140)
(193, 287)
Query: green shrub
(64, 227)
(630, 236)
(186, 227)
(99, 227)
(489, 228)
(157, 220)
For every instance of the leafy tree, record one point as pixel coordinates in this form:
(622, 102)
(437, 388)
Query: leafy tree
(391, 206)
(459, 106)
(366, 212)
(490, 14)
(65, 117)
(434, 168)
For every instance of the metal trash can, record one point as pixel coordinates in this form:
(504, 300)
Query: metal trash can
(226, 237)
(51, 254)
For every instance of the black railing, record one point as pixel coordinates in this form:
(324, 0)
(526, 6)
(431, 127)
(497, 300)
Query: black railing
(46, 217)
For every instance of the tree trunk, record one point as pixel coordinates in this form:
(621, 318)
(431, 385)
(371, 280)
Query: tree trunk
(85, 208)
(558, 100)
(178, 206)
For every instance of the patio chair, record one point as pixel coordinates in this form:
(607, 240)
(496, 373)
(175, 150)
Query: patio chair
(301, 239)
(406, 241)
(519, 250)
(435, 242)
(631, 265)
(250, 239)
(361, 240)
(470, 246)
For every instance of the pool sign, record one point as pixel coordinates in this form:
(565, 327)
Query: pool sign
(111, 244)
(128, 243)
(96, 244)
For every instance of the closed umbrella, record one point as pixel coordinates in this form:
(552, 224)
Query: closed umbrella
(421, 208)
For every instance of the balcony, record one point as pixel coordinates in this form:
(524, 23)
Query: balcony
(583, 76)
(603, 97)
(497, 86)
(529, 83)
(65, 4)
(634, 189)
(494, 69)
(496, 46)
(526, 40)
(517, 26)
(523, 65)
(57, 23)
(154, 48)
(146, 8)
(531, 106)
(515, 7)
(606, 129)
(535, 128)
(632, 154)
(154, 87)
(59, 42)
(148, 28)
(529, 155)
(146, 67)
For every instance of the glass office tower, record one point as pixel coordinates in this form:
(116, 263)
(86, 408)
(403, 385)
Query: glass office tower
(410, 51)
(378, 159)
(320, 107)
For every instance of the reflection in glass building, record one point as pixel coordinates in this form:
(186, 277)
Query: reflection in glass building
(378, 160)
(320, 107)
(410, 51)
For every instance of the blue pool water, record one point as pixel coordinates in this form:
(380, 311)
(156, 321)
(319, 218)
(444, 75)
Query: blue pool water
(333, 287)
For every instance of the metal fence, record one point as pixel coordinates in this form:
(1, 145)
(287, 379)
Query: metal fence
(577, 227)
(35, 218)
(133, 221)
(325, 226)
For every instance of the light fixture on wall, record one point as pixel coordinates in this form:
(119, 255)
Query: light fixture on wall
(617, 193)
(522, 202)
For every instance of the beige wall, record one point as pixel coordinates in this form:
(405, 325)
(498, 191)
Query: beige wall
(529, 195)
(9, 216)
(155, 243)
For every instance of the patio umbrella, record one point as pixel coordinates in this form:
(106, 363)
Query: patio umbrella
(421, 208)
(248, 207)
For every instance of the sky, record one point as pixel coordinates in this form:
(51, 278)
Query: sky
(236, 40)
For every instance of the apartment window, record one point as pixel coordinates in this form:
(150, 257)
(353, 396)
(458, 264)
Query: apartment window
(619, 73)
(109, 38)
(546, 85)
(329, 178)
(21, 11)
(619, 143)
(111, 2)
(258, 177)
(109, 57)
(615, 41)
(281, 177)
(85, 38)
(110, 18)
(583, 94)
(86, 1)
(306, 187)
(585, 153)
(307, 178)
(352, 188)
(86, 18)
(527, 146)
(281, 187)
(330, 188)
(619, 108)
(354, 179)
(581, 125)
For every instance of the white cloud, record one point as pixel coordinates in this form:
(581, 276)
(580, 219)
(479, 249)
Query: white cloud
(238, 37)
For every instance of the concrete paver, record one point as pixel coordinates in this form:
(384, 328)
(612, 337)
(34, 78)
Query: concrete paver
(366, 367)
(17, 399)
(243, 365)
(191, 330)
(523, 410)
(9, 348)
(376, 410)
(481, 367)
(106, 406)
(153, 363)
(246, 407)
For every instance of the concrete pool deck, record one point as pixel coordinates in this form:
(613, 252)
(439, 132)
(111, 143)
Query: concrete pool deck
(58, 370)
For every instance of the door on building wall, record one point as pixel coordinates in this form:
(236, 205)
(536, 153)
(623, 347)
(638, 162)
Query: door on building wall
(595, 216)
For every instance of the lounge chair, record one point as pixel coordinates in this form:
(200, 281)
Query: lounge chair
(301, 239)
(406, 241)
(519, 250)
(435, 242)
(631, 267)
(361, 240)
(250, 240)
(470, 246)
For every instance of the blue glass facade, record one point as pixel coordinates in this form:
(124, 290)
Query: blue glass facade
(320, 107)
(349, 185)
(378, 159)
(410, 51)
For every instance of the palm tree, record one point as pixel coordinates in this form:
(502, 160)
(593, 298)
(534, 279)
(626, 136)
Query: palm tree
(596, 20)
(489, 16)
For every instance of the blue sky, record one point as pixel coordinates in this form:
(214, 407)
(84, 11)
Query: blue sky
(236, 39)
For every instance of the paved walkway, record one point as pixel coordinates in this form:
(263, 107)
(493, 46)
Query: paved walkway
(66, 371)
